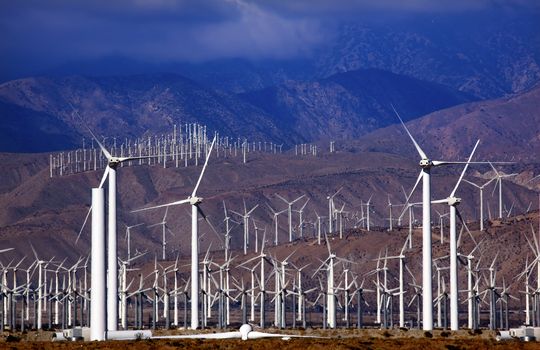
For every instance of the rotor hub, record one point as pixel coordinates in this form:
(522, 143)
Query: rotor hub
(113, 162)
(195, 200)
(426, 163)
(454, 201)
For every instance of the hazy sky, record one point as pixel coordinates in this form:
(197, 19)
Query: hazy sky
(43, 33)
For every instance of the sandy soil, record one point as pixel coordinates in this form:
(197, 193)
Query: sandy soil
(350, 339)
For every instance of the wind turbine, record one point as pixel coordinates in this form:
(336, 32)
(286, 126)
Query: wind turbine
(245, 217)
(262, 290)
(228, 229)
(499, 178)
(128, 238)
(112, 253)
(290, 204)
(401, 293)
(164, 229)
(245, 332)
(318, 227)
(481, 188)
(427, 284)
(453, 202)
(41, 265)
(331, 209)
(359, 291)
(391, 219)
(441, 223)
(275, 219)
(300, 218)
(368, 205)
(194, 201)
(340, 217)
(329, 263)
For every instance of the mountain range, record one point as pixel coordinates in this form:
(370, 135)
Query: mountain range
(44, 209)
(39, 113)
(488, 54)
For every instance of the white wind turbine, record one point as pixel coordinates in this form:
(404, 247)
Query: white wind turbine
(112, 253)
(128, 239)
(499, 178)
(124, 286)
(318, 227)
(164, 229)
(41, 265)
(368, 205)
(245, 332)
(262, 280)
(245, 218)
(340, 217)
(453, 202)
(194, 201)
(329, 263)
(401, 293)
(441, 223)
(331, 209)
(228, 229)
(391, 218)
(301, 219)
(427, 285)
(290, 204)
(275, 220)
(481, 188)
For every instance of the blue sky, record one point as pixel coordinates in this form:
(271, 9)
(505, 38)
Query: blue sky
(37, 34)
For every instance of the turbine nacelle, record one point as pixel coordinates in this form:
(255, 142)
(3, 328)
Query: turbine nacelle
(113, 162)
(426, 163)
(454, 201)
(195, 200)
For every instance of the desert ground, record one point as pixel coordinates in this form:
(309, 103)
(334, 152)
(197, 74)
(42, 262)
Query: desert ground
(330, 339)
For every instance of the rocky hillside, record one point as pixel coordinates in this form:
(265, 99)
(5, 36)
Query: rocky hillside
(37, 113)
(351, 104)
(486, 55)
(509, 129)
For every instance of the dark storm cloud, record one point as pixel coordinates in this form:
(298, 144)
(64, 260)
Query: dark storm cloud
(37, 33)
(153, 29)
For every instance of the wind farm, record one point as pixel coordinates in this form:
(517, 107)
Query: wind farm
(276, 201)
(298, 270)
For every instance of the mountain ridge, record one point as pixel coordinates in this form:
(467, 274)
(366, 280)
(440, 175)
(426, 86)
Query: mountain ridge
(131, 106)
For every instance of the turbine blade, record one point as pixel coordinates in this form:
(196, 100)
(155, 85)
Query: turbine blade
(209, 223)
(204, 168)
(450, 162)
(472, 183)
(297, 199)
(464, 169)
(414, 188)
(84, 223)
(418, 149)
(163, 205)
(103, 149)
(495, 170)
(251, 211)
(105, 174)
(465, 225)
(283, 199)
